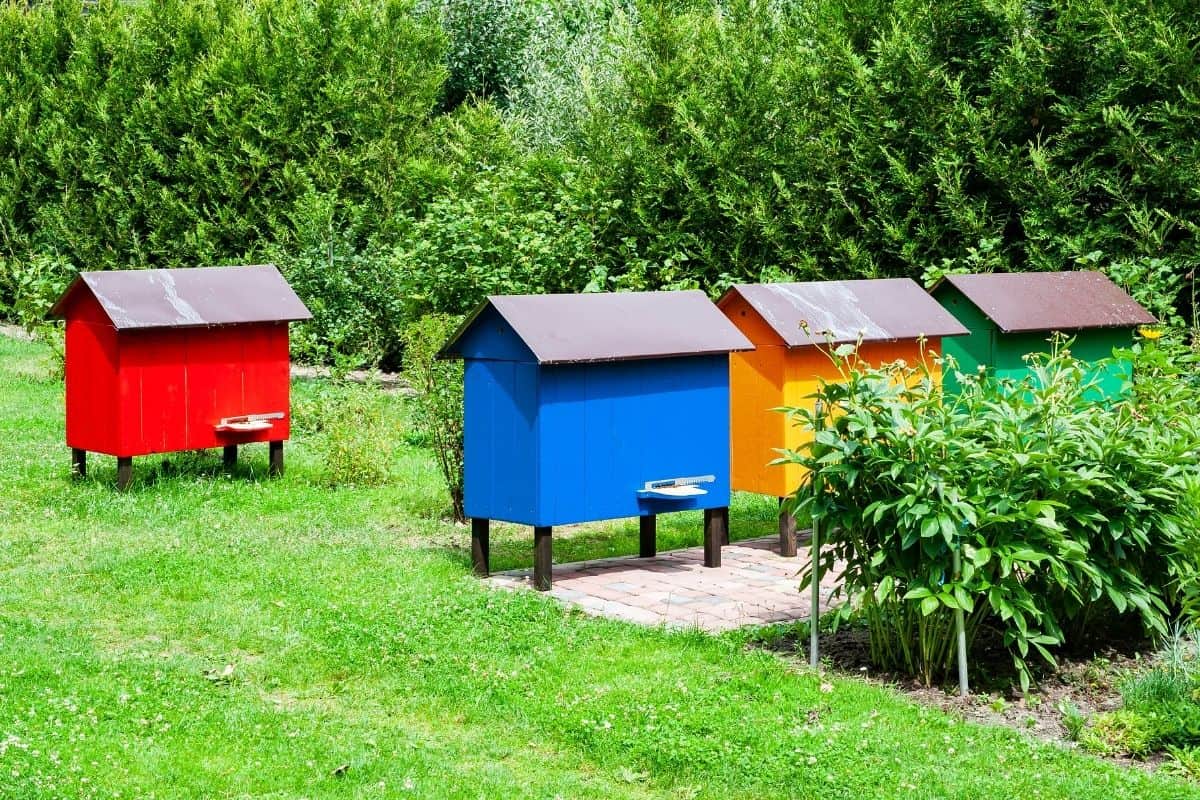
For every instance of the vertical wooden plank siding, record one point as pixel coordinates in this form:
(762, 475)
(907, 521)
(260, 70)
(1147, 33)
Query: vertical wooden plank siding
(606, 429)
(91, 377)
(1003, 354)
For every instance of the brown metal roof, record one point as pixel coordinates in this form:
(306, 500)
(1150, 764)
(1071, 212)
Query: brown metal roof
(823, 312)
(141, 299)
(618, 326)
(1051, 301)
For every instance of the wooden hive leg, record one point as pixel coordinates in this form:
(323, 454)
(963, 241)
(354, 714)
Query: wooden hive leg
(78, 463)
(480, 558)
(124, 472)
(229, 457)
(787, 532)
(716, 532)
(543, 558)
(275, 467)
(647, 536)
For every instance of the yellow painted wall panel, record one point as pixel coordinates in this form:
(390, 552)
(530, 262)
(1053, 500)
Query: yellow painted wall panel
(775, 376)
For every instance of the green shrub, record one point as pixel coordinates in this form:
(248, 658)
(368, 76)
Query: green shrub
(350, 287)
(506, 229)
(353, 430)
(486, 48)
(620, 144)
(1062, 510)
(1073, 720)
(186, 133)
(570, 62)
(1185, 762)
(879, 137)
(1119, 733)
(32, 284)
(439, 398)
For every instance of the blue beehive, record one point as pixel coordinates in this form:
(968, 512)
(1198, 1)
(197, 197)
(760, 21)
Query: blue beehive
(596, 406)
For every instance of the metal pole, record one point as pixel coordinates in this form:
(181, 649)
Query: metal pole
(961, 631)
(814, 653)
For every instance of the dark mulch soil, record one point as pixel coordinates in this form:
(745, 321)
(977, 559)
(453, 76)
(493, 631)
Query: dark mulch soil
(1086, 677)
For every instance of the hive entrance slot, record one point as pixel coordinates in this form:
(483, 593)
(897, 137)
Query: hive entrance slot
(676, 488)
(248, 423)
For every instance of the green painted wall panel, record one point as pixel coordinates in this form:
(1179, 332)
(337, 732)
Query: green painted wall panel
(969, 351)
(1005, 353)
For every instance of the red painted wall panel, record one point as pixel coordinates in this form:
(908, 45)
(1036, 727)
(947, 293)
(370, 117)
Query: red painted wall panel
(153, 391)
(91, 378)
(267, 383)
(141, 392)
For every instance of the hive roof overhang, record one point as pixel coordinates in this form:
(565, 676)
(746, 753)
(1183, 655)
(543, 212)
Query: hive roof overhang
(840, 312)
(189, 298)
(612, 326)
(1050, 301)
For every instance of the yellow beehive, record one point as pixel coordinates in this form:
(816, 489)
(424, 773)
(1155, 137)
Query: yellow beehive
(792, 326)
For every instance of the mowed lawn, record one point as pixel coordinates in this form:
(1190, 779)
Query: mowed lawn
(218, 636)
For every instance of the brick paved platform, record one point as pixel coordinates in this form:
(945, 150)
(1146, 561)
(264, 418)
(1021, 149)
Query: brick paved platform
(753, 586)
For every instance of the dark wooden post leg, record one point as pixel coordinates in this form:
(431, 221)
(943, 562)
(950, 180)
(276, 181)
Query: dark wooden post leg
(124, 473)
(716, 529)
(229, 457)
(275, 467)
(543, 558)
(787, 532)
(78, 463)
(647, 536)
(480, 559)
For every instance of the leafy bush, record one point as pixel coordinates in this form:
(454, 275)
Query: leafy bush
(186, 133)
(439, 399)
(878, 137)
(1119, 733)
(570, 62)
(353, 430)
(1160, 708)
(350, 287)
(396, 160)
(32, 284)
(505, 229)
(487, 41)
(1061, 510)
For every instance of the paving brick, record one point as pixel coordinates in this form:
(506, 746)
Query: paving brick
(754, 586)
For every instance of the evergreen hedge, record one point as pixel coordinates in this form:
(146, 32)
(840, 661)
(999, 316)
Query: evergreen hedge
(631, 145)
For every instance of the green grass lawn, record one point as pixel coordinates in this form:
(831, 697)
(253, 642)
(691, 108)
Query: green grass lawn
(222, 637)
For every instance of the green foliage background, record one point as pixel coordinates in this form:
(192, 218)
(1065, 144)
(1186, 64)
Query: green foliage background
(400, 158)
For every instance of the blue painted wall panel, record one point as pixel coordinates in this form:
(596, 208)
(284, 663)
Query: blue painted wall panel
(490, 337)
(555, 445)
(605, 429)
(500, 441)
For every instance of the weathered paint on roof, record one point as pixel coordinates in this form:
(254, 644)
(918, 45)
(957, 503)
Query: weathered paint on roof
(838, 312)
(616, 326)
(189, 298)
(1050, 301)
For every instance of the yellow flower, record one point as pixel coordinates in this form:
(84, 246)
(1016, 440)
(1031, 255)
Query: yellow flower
(1150, 333)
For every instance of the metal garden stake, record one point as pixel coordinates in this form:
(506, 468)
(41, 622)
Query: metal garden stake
(814, 655)
(961, 631)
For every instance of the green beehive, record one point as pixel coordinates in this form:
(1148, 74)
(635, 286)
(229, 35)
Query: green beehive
(1010, 315)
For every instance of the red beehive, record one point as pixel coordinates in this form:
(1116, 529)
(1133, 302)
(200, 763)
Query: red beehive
(177, 359)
